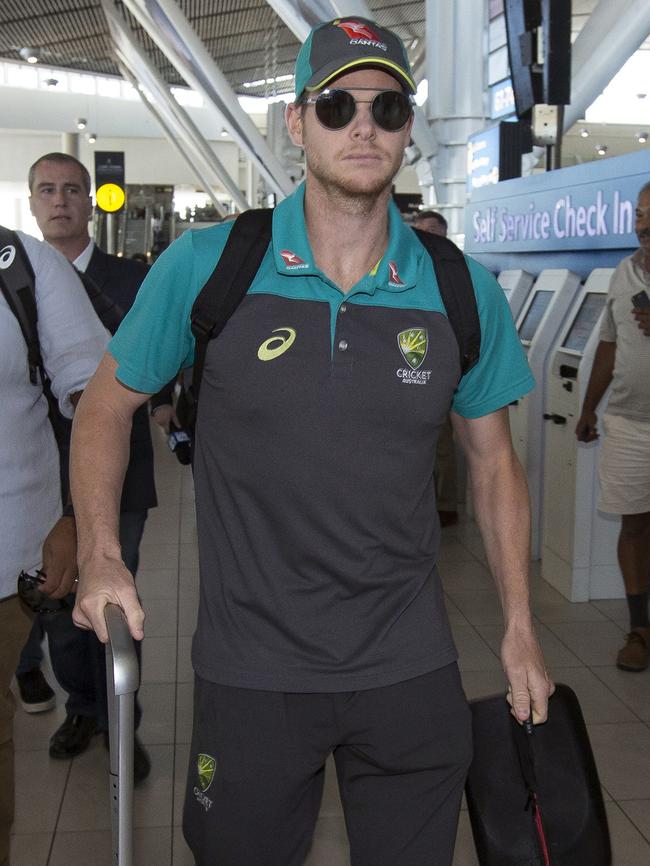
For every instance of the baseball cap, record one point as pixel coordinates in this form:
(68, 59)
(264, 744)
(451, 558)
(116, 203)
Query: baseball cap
(345, 44)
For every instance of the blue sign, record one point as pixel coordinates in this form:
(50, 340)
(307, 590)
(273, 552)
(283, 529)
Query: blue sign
(585, 207)
(502, 99)
(483, 158)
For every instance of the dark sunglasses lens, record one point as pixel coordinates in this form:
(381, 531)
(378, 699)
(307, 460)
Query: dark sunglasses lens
(391, 110)
(335, 109)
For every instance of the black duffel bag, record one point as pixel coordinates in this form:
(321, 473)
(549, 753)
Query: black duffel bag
(533, 792)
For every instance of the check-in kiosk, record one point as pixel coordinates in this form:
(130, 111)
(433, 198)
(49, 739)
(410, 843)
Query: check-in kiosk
(516, 286)
(578, 542)
(541, 317)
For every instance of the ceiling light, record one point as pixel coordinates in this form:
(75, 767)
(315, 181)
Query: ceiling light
(81, 123)
(92, 138)
(224, 133)
(31, 55)
(51, 82)
(642, 137)
(584, 133)
(601, 149)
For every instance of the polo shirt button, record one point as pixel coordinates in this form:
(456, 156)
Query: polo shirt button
(343, 344)
(343, 308)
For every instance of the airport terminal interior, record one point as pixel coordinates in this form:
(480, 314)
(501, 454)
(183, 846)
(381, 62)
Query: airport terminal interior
(538, 184)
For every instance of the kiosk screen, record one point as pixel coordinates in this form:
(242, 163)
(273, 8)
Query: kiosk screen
(534, 315)
(584, 322)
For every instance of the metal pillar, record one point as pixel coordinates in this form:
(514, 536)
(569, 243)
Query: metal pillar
(455, 65)
(171, 31)
(70, 144)
(612, 33)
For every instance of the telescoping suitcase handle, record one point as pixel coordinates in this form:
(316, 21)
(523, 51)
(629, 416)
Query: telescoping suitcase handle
(122, 680)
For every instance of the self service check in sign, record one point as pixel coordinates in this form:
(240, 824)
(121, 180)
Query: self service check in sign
(585, 207)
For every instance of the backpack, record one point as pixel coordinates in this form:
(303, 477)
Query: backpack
(17, 282)
(240, 260)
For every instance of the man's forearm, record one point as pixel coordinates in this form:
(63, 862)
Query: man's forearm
(98, 460)
(502, 509)
(602, 372)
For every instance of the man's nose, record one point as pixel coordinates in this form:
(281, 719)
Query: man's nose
(363, 123)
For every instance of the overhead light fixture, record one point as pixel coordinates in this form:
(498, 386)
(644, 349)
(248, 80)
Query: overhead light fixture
(92, 138)
(584, 133)
(81, 123)
(642, 137)
(224, 133)
(51, 82)
(601, 149)
(31, 55)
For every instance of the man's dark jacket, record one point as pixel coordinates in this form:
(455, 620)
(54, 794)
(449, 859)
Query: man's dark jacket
(120, 279)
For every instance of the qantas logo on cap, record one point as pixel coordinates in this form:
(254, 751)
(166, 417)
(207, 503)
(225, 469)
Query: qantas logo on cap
(361, 34)
(394, 278)
(292, 262)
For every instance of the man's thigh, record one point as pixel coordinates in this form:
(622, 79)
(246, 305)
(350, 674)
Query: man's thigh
(255, 776)
(131, 530)
(402, 770)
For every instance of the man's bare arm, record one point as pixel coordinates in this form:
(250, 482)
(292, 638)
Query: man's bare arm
(502, 508)
(601, 375)
(98, 460)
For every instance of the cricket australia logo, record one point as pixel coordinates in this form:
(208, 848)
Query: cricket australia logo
(414, 344)
(205, 767)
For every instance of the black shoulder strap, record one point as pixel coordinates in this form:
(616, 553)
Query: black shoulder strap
(18, 288)
(225, 289)
(457, 291)
(107, 310)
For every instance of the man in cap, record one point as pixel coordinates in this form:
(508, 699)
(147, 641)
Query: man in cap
(321, 625)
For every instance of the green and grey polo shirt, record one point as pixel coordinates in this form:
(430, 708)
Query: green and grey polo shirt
(316, 437)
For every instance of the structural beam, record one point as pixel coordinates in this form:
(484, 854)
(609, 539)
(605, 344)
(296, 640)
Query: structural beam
(611, 34)
(171, 31)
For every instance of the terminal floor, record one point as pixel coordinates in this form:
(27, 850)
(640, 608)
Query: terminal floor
(62, 810)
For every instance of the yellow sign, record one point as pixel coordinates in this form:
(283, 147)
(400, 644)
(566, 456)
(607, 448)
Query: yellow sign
(110, 197)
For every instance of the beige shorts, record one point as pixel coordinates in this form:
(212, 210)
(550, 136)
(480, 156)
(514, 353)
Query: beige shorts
(624, 469)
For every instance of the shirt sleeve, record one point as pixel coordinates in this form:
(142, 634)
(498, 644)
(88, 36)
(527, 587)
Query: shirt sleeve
(71, 336)
(502, 374)
(155, 339)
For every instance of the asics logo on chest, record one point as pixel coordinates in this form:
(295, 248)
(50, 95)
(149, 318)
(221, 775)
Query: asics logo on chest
(276, 346)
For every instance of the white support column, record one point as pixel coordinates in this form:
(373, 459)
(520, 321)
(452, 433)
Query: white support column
(169, 28)
(70, 144)
(455, 66)
(611, 34)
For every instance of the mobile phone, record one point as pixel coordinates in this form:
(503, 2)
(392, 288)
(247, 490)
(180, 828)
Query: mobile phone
(641, 300)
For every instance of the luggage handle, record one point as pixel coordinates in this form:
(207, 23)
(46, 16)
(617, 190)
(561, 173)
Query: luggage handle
(122, 681)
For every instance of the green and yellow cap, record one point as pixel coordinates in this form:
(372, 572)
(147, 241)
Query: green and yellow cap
(345, 44)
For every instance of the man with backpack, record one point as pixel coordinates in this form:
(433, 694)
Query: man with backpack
(60, 201)
(322, 626)
(33, 535)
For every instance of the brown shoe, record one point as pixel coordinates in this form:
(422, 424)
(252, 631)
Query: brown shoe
(635, 655)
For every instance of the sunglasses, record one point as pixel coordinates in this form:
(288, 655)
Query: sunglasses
(36, 600)
(390, 109)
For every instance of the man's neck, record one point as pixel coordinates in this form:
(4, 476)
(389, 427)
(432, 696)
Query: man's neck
(347, 235)
(71, 248)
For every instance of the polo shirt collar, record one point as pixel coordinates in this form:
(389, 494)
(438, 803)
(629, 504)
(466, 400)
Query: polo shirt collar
(396, 271)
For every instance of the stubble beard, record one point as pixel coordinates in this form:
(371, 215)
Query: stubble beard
(355, 194)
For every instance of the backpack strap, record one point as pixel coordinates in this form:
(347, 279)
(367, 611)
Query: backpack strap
(18, 287)
(226, 287)
(457, 291)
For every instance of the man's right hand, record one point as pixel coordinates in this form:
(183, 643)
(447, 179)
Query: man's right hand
(107, 581)
(165, 415)
(587, 427)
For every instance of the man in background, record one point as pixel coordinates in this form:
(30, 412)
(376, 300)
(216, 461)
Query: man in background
(60, 201)
(446, 469)
(623, 360)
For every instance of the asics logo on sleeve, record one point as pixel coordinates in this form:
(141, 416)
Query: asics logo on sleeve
(7, 255)
(276, 346)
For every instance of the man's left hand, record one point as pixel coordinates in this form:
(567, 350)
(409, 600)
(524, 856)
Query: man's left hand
(529, 686)
(643, 319)
(60, 558)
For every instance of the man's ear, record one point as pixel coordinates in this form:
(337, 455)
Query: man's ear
(293, 118)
